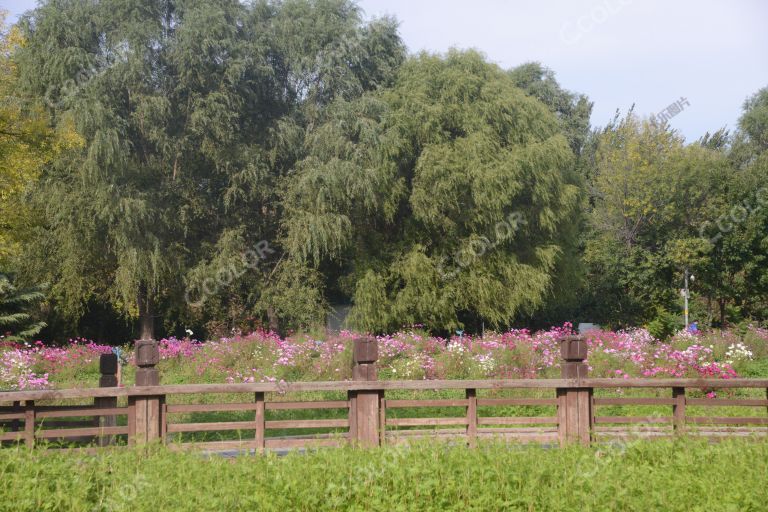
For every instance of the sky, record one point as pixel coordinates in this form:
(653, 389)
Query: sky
(708, 55)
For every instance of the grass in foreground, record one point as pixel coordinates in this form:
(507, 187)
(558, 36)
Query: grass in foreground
(683, 475)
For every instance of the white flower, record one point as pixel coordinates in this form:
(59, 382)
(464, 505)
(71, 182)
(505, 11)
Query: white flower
(189, 332)
(738, 351)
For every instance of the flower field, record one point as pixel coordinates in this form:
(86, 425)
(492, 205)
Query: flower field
(409, 354)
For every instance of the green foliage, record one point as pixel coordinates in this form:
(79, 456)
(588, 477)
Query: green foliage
(673, 475)
(296, 296)
(401, 182)
(572, 110)
(191, 115)
(16, 321)
(146, 150)
(754, 121)
(653, 199)
(27, 143)
(664, 324)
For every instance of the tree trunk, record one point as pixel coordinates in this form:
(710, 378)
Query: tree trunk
(274, 323)
(146, 315)
(721, 303)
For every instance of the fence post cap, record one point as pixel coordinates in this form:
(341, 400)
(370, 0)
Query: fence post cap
(573, 348)
(147, 353)
(366, 350)
(108, 364)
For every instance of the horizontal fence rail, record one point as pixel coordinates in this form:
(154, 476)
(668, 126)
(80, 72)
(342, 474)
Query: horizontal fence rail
(369, 412)
(381, 385)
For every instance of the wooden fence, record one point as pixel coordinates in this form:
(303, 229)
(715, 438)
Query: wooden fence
(368, 412)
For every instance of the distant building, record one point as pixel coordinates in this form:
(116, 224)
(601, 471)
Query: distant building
(586, 327)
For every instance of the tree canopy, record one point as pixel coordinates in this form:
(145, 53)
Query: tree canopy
(224, 165)
(441, 199)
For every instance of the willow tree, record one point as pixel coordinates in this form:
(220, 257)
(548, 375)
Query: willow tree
(321, 51)
(172, 100)
(573, 111)
(191, 113)
(442, 200)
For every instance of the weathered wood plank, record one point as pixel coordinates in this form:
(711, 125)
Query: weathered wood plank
(383, 422)
(670, 383)
(287, 387)
(306, 424)
(421, 422)
(15, 423)
(392, 404)
(260, 420)
(131, 421)
(481, 402)
(79, 432)
(472, 419)
(586, 416)
(549, 429)
(214, 445)
(210, 426)
(517, 420)
(665, 428)
(678, 409)
(65, 424)
(326, 404)
(29, 423)
(190, 408)
(727, 420)
(562, 417)
(78, 411)
(721, 402)
(352, 415)
(277, 443)
(12, 436)
(271, 443)
(633, 419)
(405, 436)
(154, 427)
(634, 401)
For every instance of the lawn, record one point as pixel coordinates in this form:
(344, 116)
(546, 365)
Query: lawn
(683, 474)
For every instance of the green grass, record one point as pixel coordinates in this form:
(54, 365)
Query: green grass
(683, 475)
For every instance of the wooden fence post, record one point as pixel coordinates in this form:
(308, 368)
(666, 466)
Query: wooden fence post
(108, 364)
(471, 395)
(574, 406)
(678, 410)
(15, 423)
(29, 423)
(366, 403)
(147, 414)
(259, 418)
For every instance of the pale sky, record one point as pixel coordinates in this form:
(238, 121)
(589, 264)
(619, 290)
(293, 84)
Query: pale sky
(619, 52)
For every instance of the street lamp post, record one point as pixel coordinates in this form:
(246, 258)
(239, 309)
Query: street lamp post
(686, 298)
(686, 295)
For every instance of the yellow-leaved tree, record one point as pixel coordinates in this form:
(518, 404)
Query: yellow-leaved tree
(27, 143)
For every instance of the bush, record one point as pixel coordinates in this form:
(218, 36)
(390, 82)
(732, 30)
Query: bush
(663, 325)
